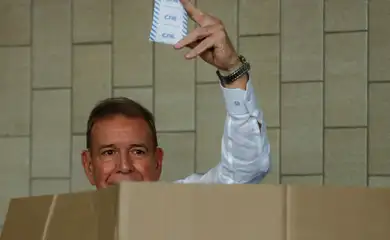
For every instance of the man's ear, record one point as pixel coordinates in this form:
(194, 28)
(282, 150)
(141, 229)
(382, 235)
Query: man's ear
(86, 161)
(159, 160)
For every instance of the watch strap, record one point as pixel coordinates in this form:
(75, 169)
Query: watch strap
(233, 75)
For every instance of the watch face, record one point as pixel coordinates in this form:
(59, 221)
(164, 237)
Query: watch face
(242, 58)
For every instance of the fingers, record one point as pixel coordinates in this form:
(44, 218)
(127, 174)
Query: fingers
(200, 48)
(198, 34)
(193, 12)
(193, 44)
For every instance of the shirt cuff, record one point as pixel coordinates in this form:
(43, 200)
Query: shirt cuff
(241, 102)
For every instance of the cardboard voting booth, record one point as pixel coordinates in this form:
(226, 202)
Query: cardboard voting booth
(165, 211)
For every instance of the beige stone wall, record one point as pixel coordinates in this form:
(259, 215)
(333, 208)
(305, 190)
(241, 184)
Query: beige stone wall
(320, 69)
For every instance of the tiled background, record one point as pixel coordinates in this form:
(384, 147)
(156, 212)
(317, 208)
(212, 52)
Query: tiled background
(320, 69)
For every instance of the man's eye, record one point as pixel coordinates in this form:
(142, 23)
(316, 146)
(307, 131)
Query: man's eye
(108, 152)
(138, 152)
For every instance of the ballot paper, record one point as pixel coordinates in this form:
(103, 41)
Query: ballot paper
(169, 23)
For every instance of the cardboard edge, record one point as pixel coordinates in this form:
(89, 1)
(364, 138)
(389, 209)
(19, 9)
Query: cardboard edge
(106, 204)
(49, 217)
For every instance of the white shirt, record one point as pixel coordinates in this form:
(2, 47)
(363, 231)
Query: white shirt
(245, 150)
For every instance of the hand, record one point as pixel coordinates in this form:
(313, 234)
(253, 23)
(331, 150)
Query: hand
(209, 41)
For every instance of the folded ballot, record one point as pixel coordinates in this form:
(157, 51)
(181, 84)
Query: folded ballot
(169, 24)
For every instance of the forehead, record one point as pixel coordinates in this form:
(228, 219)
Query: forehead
(120, 130)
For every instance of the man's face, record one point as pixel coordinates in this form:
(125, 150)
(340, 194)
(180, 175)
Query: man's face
(122, 149)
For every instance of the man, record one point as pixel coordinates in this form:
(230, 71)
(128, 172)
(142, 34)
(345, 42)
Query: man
(121, 135)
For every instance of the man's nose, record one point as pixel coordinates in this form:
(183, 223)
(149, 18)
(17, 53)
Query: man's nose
(125, 163)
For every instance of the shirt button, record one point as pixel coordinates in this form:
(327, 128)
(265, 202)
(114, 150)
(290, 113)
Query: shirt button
(237, 103)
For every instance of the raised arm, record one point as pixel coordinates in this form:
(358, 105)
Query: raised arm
(245, 149)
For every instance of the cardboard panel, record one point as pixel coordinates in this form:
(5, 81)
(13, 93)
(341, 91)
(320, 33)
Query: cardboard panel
(77, 216)
(106, 202)
(207, 212)
(26, 218)
(74, 217)
(324, 213)
(166, 211)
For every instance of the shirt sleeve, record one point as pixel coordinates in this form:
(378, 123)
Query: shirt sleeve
(245, 149)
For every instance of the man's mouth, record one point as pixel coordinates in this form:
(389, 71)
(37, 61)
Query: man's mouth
(118, 178)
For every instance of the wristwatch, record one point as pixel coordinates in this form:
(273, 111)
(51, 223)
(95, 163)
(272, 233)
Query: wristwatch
(239, 71)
